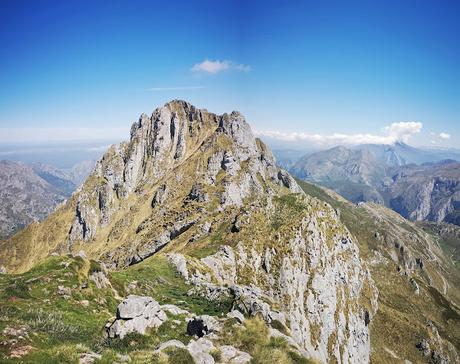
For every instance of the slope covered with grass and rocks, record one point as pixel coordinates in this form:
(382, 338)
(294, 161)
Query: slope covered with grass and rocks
(188, 243)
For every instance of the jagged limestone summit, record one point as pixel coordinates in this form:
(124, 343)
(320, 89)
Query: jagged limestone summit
(197, 193)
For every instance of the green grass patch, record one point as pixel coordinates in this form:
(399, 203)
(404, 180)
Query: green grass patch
(157, 278)
(254, 338)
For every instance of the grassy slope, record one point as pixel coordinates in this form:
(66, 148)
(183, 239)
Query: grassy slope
(448, 238)
(61, 328)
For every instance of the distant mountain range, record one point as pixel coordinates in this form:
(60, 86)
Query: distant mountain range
(30, 192)
(399, 154)
(420, 184)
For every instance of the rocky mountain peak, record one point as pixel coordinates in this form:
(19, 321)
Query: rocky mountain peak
(174, 134)
(201, 189)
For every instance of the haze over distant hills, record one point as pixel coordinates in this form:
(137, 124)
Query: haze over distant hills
(396, 154)
(31, 192)
(420, 184)
(60, 154)
(400, 153)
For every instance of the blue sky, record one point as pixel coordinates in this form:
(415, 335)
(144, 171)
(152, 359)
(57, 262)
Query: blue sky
(306, 72)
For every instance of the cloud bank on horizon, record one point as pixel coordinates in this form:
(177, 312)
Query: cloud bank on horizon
(395, 132)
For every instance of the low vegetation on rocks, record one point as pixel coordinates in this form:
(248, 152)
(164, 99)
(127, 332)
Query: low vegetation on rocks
(40, 324)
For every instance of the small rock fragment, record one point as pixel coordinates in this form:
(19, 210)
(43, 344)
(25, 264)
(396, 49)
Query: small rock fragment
(89, 358)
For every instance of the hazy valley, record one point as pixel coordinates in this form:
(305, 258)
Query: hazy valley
(30, 192)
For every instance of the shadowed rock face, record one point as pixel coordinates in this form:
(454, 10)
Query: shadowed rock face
(430, 192)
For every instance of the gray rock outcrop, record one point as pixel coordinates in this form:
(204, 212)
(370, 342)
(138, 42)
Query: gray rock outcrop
(136, 314)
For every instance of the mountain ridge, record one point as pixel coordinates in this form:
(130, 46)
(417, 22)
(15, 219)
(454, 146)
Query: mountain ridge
(419, 192)
(197, 193)
(30, 192)
(141, 202)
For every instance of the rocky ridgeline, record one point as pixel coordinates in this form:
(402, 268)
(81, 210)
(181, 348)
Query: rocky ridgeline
(199, 189)
(425, 192)
(154, 159)
(202, 188)
(193, 172)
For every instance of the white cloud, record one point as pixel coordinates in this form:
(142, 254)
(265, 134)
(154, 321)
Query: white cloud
(178, 88)
(444, 136)
(215, 67)
(392, 133)
(403, 131)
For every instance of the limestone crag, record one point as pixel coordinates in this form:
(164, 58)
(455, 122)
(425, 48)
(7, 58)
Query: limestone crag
(327, 274)
(161, 143)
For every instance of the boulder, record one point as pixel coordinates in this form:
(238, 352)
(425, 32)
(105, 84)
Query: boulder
(415, 286)
(100, 279)
(424, 347)
(230, 354)
(136, 314)
(179, 261)
(198, 194)
(174, 310)
(200, 351)
(249, 301)
(236, 315)
(169, 344)
(160, 195)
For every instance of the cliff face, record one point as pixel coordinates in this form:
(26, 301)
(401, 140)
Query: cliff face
(430, 192)
(417, 277)
(200, 188)
(30, 192)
